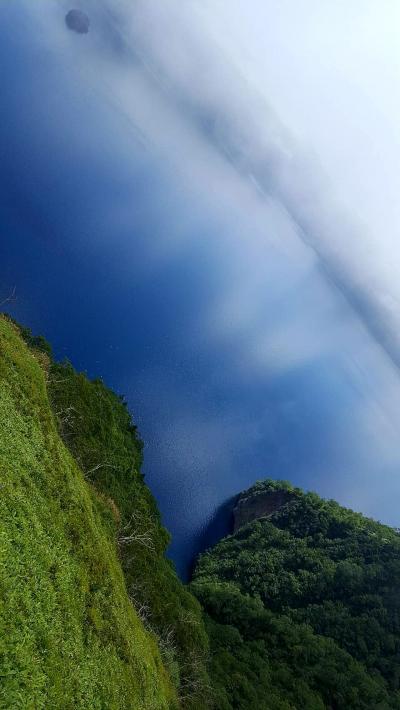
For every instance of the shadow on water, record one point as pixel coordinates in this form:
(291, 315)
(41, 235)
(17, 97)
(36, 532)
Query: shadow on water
(220, 525)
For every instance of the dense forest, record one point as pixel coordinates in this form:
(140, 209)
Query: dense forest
(303, 608)
(299, 608)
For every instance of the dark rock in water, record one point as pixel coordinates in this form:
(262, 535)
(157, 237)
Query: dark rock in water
(77, 21)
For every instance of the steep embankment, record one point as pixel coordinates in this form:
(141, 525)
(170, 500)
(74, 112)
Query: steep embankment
(76, 630)
(303, 605)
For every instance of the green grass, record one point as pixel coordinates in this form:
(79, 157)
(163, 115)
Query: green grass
(69, 635)
(97, 428)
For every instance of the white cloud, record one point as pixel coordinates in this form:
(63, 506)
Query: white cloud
(195, 85)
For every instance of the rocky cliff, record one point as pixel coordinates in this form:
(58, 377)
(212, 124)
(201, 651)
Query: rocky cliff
(254, 504)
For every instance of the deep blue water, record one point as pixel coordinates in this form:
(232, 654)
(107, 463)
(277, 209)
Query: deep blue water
(123, 264)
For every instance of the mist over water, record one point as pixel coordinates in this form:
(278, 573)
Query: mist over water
(166, 231)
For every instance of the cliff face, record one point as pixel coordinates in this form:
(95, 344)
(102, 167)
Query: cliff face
(252, 506)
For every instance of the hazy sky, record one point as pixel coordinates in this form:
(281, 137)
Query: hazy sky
(200, 204)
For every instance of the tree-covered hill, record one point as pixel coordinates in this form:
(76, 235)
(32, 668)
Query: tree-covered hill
(303, 607)
(92, 614)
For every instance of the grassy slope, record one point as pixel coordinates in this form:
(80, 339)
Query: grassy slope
(97, 428)
(70, 638)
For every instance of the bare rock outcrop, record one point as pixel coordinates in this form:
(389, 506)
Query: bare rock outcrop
(258, 505)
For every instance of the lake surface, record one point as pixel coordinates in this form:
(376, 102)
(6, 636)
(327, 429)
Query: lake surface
(158, 269)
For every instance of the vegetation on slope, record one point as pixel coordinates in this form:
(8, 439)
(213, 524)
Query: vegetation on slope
(96, 426)
(304, 609)
(75, 632)
(301, 606)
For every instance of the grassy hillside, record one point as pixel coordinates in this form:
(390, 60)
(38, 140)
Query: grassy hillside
(97, 428)
(75, 632)
(303, 608)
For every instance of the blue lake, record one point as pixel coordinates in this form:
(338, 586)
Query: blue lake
(238, 358)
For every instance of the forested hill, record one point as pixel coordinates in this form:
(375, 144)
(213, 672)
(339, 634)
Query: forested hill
(92, 614)
(303, 605)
